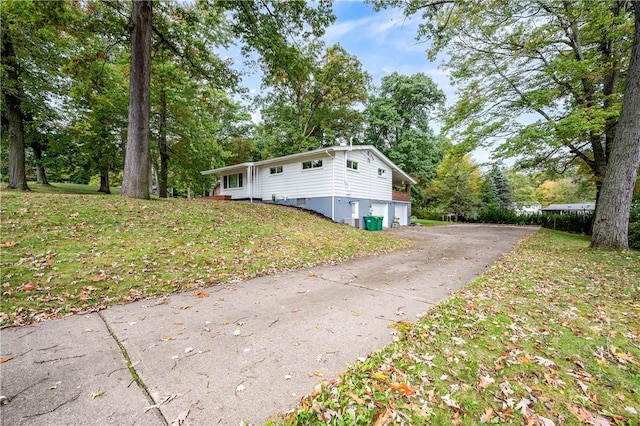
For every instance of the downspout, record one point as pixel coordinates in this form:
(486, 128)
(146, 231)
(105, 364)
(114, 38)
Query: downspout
(346, 181)
(250, 183)
(333, 184)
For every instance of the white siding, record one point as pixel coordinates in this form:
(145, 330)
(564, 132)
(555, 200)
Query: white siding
(236, 193)
(294, 182)
(364, 182)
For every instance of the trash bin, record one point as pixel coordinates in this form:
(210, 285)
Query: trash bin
(370, 223)
(379, 220)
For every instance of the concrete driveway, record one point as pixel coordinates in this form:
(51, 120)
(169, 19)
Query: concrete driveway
(238, 352)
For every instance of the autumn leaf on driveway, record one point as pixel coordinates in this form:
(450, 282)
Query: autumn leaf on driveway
(201, 294)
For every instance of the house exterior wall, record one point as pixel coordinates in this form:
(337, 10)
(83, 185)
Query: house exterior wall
(333, 190)
(295, 182)
(236, 193)
(363, 182)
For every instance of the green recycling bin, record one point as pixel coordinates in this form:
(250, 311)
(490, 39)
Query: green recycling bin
(370, 223)
(379, 220)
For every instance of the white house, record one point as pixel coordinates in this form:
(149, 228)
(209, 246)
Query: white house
(582, 208)
(343, 183)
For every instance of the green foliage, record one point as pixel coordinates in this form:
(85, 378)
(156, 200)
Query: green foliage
(496, 190)
(546, 77)
(573, 223)
(426, 214)
(397, 119)
(314, 104)
(634, 223)
(456, 187)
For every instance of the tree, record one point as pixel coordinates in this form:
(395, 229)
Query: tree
(32, 35)
(545, 76)
(610, 228)
(13, 105)
(456, 187)
(263, 26)
(135, 181)
(314, 103)
(496, 190)
(397, 122)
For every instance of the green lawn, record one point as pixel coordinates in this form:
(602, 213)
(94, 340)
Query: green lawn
(425, 222)
(550, 335)
(68, 249)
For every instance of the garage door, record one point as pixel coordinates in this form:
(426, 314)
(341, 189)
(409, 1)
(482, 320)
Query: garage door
(402, 213)
(382, 209)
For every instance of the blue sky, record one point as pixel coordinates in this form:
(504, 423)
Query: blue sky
(384, 42)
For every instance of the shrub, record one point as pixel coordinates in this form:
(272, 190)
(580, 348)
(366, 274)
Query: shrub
(574, 223)
(427, 214)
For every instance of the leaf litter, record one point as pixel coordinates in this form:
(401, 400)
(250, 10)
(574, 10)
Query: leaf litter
(548, 336)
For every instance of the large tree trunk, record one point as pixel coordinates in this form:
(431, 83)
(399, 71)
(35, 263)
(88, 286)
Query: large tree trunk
(104, 182)
(41, 175)
(611, 225)
(11, 98)
(135, 181)
(162, 147)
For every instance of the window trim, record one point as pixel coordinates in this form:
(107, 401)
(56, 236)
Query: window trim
(226, 184)
(312, 164)
(276, 170)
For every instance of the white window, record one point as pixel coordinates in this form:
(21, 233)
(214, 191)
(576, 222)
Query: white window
(275, 170)
(313, 164)
(353, 165)
(232, 181)
(382, 173)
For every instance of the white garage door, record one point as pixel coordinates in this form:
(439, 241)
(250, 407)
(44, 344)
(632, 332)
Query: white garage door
(402, 213)
(381, 209)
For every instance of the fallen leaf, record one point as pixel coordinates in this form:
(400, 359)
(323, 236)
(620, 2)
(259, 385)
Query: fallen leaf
(201, 294)
(385, 418)
(485, 381)
(403, 388)
(5, 359)
(8, 244)
(487, 415)
(182, 417)
(97, 394)
(356, 398)
(29, 286)
(98, 278)
(523, 406)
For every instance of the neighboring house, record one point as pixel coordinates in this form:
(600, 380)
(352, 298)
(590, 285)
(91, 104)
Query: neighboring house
(585, 208)
(343, 183)
(527, 209)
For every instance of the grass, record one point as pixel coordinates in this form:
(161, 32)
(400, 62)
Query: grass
(550, 335)
(425, 222)
(68, 249)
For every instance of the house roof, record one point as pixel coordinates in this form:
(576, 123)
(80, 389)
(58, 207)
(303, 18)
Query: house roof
(571, 207)
(397, 172)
